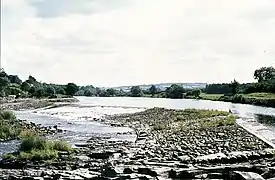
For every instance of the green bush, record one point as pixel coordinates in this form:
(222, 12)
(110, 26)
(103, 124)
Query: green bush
(7, 115)
(37, 143)
(62, 146)
(36, 148)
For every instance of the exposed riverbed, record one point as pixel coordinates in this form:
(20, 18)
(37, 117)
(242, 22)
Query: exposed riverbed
(85, 120)
(81, 120)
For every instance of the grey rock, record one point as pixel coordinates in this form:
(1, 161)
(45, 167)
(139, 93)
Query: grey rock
(237, 175)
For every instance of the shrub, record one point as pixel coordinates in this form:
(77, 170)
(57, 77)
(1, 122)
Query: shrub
(36, 148)
(34, 142)
(7, 115)
(62, 146)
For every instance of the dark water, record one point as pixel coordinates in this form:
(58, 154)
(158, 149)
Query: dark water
(78, 120)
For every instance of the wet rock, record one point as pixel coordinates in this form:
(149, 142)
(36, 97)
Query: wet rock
(237, 175)
(109, 172)
(101, 155)
(182, 174)
(147, 171)
(128, 171)
(269, 174)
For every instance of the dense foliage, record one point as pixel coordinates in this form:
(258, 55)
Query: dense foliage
(266, 83)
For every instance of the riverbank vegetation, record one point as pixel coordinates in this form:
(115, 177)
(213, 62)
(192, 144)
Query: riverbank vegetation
(258, 93)
(12, 128)
(35, 148)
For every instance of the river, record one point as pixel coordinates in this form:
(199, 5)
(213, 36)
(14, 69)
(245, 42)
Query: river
(78, 119)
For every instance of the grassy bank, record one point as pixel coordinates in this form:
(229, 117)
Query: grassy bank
(260, 99)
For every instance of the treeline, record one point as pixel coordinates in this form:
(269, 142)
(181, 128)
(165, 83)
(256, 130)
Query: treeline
(13, 85)
(266, 83)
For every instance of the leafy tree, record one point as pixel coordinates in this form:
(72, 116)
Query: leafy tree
(234, 87)
(4, 82)
(111, 92)
(25, 86)
(264, 74)
(71, 89)
(3, 74)
(15, 79)
(153, 90)
(136, 91)
(60, 90)
(32, 80)
(39, 92)
(217, 88)
(196, 93)
(175, 91)
(79, 93)
(50, 91)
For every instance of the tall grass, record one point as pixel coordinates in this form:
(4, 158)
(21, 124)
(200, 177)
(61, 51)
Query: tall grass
(7, 115)
(191, 114)
(39, 148)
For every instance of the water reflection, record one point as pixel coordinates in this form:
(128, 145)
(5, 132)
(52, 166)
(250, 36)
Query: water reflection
(265, 119)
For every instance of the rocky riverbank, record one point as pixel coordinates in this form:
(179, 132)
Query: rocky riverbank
(26, 104)
(170, 144)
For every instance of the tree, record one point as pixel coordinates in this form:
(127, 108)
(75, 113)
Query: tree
(136, 91)
(79, 93)
(25, 86)
(50, 91)
(60, 90)
(4, 82)
(175, 91)
(234, 87)
(31, 80)
(111, 92)
(14, 79)
(196, 93)
(153, 90)
(264, 74)
(71, 89)
(39, 92)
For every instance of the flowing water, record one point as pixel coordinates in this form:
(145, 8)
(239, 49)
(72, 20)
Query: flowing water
(78, 119)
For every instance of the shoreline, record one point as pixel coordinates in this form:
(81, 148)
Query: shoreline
(31, 103)
(268, 103)
(175, 152)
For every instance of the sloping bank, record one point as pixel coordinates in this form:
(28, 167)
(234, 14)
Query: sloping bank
(265, 102)
(249, 100)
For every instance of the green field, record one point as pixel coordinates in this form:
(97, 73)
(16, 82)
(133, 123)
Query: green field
(260, 95)
(212, 97)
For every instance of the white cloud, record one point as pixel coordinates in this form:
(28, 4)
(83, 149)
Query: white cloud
(138, 41)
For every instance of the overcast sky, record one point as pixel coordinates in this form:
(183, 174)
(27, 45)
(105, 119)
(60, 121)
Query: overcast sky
(126, 42)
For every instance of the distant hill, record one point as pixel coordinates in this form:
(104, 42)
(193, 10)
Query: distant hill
(163, 86)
